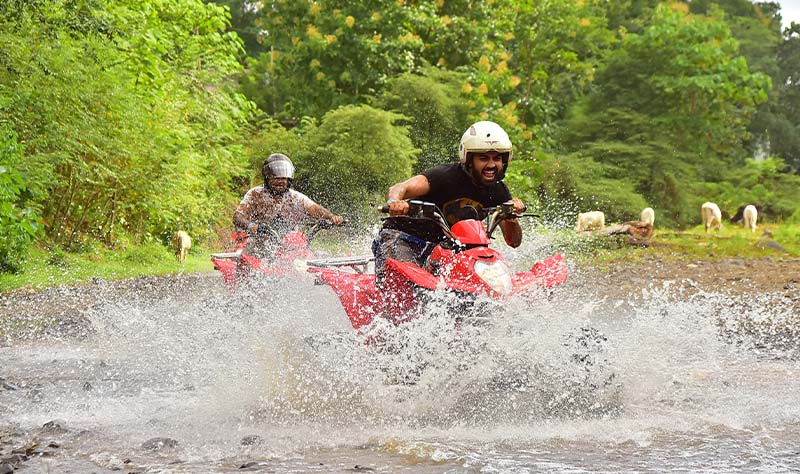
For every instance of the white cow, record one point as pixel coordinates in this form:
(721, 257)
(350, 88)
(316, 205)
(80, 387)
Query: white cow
(181, 243)
(750, 217)
(648, 216)
(711, 216)
(590, 221)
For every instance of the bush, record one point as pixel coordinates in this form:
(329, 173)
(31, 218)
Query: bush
(353, 157)
(436, 111)
(19, 224)
(146, 254)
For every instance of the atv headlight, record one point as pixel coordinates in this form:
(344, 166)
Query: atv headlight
(496, 274)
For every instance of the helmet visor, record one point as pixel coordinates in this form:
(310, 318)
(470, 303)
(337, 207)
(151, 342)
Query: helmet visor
(280, 169)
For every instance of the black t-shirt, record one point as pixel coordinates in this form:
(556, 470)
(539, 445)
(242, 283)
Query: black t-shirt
(452, 190)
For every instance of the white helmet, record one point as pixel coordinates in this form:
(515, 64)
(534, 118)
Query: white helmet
(484, 136)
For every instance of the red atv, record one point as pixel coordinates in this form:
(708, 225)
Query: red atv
(289, 258)
(462, 263)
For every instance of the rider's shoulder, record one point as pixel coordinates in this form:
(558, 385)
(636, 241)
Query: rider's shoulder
(297, 195)
(442, 168)
(254, 191)
(443, 171)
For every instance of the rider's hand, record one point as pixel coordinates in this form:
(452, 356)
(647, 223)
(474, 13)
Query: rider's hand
(337, 220)
(397, 208)
(519, 206)
(262, 229)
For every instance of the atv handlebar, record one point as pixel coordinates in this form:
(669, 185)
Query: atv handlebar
(495, 215)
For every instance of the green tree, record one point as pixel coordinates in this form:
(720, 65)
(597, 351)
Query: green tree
(352, 158)
(125, 112)
(670, 106)
(18, 221)
(438, 114)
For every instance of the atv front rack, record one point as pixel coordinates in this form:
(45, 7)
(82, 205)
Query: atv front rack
(231, 255)
(358, 264)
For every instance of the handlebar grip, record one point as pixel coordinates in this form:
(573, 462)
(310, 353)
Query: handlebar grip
(384, 209)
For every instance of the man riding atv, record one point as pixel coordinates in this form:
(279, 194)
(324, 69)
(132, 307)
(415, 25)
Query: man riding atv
(461, 190)
(268, 212)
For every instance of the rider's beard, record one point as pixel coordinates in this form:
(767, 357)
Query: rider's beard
(478, 179)
(277, 190)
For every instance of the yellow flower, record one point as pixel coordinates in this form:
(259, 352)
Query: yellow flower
(490, 46)
(376, 16)
(446, 20)
(484, 64)
(501, 67)
(514, 81)
(466, 88)
(401, 3)
(314, 63)
(482, 89)
(376, 38)
(332, 84)
(585, 22)
(409, 38)
(312, 32)
(508, 36)
(439, 3)
(345, 76)
(295, 40)
(504, 55)
(484, 116)
(679, 7)
(512, 105)
(527, 135)
(330, 39)
(320, 76)
(441, 62)
(314, 8)
(471, 104)
(349, 21)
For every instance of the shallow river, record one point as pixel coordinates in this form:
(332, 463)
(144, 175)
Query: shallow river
(275, 380)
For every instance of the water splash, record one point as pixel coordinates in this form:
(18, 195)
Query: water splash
(674, 368)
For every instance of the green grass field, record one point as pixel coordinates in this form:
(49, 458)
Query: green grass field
(695, 243)
(47, 268)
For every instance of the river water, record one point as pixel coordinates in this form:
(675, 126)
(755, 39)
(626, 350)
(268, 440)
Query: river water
(273, 379)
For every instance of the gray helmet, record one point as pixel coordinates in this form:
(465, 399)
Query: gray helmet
(278, 165)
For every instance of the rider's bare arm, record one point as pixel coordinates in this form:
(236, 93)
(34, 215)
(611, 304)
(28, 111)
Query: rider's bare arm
(241, 218)
(318, 212)
(512, 231)
(413, 187)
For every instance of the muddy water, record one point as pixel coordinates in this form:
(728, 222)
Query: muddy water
(274, 380)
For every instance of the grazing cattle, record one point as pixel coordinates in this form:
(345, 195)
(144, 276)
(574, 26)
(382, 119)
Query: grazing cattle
(711, 216)
(181, 243)
(594, 220)
(648, 216)
(750, 217)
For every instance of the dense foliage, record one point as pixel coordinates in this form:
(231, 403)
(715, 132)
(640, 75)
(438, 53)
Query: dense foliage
(125, 119)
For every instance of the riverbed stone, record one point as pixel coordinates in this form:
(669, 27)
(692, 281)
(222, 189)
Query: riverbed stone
(155, 444)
